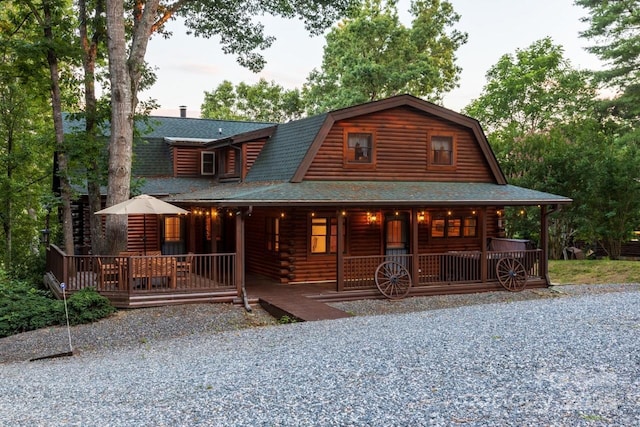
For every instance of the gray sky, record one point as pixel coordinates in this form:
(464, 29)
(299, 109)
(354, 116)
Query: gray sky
(187, 66)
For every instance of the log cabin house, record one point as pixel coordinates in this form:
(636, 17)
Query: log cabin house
(326, 199)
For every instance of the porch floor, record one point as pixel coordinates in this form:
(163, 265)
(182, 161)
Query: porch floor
(294, 302)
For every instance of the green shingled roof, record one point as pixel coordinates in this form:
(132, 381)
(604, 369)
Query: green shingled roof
(184, 127)
(162, 186)
(152, 157)
(284, 151)
(178, 127)
(345, 193)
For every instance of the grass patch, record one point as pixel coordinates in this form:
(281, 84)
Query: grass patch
(589, 272)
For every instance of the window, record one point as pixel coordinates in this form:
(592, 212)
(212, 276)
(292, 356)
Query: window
(324, 232)
(437, 227)
(359, 149)
(442, 150)
(207, 163)
(396, 234)
(470, 226)
(452, 225)
(172, 229)
(272, 232)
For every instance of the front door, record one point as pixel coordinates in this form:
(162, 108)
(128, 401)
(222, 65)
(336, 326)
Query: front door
(396, 236)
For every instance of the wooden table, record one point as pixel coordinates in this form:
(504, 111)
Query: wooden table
(150, 268)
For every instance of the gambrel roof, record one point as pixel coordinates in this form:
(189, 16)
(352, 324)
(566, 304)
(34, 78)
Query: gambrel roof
(277, 176)
(288, 154)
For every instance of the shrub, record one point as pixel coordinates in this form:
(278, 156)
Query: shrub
(24, 307)
(87, 306)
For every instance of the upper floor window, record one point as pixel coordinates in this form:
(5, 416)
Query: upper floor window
(359, 147)
(442, 151)
(207, 163)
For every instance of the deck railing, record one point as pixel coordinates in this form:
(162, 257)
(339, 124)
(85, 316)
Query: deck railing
(140, 274)
(438, 268)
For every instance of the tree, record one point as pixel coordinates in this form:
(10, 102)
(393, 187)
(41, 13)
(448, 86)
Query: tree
(264, 101)
(239, 33)
(25, 138)
(92, 34)
(532, 106)
(371, 55)
(50, 14)
(532, 90)
(615, 27)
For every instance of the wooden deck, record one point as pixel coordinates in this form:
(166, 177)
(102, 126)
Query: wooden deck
(295, 302)
(205, 278)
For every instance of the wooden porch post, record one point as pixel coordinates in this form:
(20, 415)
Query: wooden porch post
(191, 240)
(483, 242)
(544, 243)
(415, 268)
(340, 253)
(239, 264)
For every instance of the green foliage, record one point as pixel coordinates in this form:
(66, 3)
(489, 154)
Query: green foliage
(264, 101)
(548, 135)
(26, 149)
(615, 28)
(372, 55)
(284, 320)
(87, 305)
(530, 91)
(241, 34)
(24, 307)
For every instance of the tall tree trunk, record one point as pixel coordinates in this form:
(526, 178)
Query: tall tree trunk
(94, 174)
(56, 104)
(121, 140)
(125, 73)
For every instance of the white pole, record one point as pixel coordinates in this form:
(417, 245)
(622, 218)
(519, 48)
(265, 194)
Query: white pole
(66, 313)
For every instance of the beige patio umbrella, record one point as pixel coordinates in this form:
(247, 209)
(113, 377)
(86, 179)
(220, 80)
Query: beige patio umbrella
(143, 205)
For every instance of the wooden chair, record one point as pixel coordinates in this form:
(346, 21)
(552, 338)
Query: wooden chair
(108, 273)
(184, 265)
(129, 253)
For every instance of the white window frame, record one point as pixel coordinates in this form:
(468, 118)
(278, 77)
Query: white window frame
(203, 155)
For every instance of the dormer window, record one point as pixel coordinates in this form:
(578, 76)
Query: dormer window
(442, 150)
(359, 147)
(207, 163)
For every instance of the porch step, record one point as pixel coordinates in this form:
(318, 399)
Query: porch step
(299, 308)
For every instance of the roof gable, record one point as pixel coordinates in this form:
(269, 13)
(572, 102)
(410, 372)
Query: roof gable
(293, 146)
(394, 102)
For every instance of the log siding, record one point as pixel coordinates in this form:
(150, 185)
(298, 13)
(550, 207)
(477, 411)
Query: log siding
(402, 150)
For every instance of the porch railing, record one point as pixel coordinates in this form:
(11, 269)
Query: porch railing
(143, 274)
(438, 268)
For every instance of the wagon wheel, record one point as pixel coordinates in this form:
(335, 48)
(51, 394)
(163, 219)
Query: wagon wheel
(511, 274)
(393, 279)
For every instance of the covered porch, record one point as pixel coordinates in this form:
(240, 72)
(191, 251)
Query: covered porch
(332, 234)
(135, 280)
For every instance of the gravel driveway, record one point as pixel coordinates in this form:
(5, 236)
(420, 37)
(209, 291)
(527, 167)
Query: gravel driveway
(546, 361)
